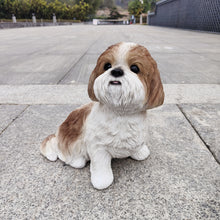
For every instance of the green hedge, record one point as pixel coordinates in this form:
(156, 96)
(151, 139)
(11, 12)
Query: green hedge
(23, 9)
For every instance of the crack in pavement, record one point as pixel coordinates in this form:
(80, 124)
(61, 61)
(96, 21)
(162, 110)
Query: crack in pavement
(14, 119)
(207, 146)
(81, 57)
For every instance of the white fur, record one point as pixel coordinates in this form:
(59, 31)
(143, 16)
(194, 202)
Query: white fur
(76, 159)
(111, 135)
(50, 150)
(115, 128)
(127, 98)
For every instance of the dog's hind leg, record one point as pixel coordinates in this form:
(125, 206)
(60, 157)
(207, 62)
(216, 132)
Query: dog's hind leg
(141, 153)
(49, 147)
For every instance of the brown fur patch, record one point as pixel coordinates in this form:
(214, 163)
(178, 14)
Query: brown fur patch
(107, 56)
(71, 128)
(149, 75)
(48, 138)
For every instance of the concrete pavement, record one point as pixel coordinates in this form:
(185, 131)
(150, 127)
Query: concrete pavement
(43, 77)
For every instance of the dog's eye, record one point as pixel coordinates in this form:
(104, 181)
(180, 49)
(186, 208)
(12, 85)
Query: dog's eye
(134, 68)
(107, 66)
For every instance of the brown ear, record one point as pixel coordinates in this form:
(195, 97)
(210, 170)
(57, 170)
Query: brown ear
(108, 56)
(156, 93)
(92, 78)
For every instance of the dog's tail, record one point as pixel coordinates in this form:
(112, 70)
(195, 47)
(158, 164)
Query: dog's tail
(49, 147)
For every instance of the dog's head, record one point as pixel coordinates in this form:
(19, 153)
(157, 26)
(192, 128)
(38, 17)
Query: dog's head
(126, 77)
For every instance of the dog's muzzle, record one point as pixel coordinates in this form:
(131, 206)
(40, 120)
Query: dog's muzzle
(117, 72)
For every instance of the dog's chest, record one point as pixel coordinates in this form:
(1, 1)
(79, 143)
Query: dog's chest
(120, 135)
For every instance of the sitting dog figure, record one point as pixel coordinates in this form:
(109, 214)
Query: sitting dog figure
(123, 85)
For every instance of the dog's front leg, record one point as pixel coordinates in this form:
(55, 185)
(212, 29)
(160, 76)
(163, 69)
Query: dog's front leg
(100, 168)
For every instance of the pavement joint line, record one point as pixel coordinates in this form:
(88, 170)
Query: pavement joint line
(67, 73)
(193, 127)
(14, 119)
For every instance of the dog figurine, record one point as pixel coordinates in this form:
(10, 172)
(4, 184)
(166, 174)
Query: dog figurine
(124, 84)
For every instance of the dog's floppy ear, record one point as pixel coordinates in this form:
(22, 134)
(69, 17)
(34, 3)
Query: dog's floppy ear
(108, 56)
(92, 78)
(155, 87)
(149, 75)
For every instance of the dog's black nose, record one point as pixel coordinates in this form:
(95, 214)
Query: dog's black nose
(117, 72)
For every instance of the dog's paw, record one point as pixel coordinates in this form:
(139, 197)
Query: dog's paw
(51, 156)
(79, 162)
(141, 154)
(102, 180)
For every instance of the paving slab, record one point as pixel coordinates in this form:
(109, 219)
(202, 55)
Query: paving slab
(180, 180)
(195, 63)
(205, 118)
(188, 68)
(77, 93)
(184, 68)
(37, 69)
(209, 47)
(42, 55)
(44, 94)
(214, 56)
(9, 113)
(109, 36)
(182, 56)
(82, 70)
(28, 40)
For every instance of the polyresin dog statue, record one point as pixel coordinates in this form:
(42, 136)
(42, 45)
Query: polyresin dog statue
(124, 84)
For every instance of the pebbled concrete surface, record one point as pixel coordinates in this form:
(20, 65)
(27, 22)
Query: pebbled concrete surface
(176, 182)
(43, 76)
(8, 113)
(205, 118)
